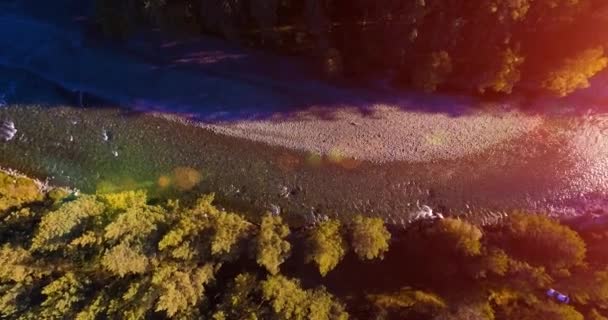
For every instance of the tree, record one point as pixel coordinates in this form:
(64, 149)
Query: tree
(542, 242)
(17, 265)
(575, 72)
(241, 300)
(588, 287)
(124, 259)
(496, 261)
(184, 238)
(327, 245)
(17, 191)
(466, 311)
(59, 225)
(180, 290)
(290, 301)
(507, 72)
(113, 18)
(122, 200)
(228, 229)
(595, 315)
(549, 310)
(270, 246)
(94, 310)
(62, 295)
(135, 223)
(369, 237)
(433, 71)
(458, 235)
(407, 301)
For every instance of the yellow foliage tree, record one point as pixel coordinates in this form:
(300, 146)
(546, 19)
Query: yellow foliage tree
(369, 237)
(17, 191)
(290, 301)
(125, 199)
(240, 302)
(270, 246)
(542, 241)
(135, 222)
(182, 237)
(595, 315)
(575, 72)
(506, 74)
(180, 290)
(228, 229)
(327, 245)
(406, 300)
(62, 295)
(56, 226)
(123, 259)
(460, 235)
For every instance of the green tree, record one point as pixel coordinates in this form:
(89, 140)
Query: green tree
(369, 237)
(271, 248)
(327, 245)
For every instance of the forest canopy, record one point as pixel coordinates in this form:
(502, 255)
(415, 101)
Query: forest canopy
(125, 256)
(481, 46)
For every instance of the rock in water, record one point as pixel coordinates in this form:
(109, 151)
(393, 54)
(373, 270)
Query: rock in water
(106, 135)
(7, 130)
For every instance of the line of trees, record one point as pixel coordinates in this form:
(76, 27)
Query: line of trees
(478, 46)
(121, 255)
